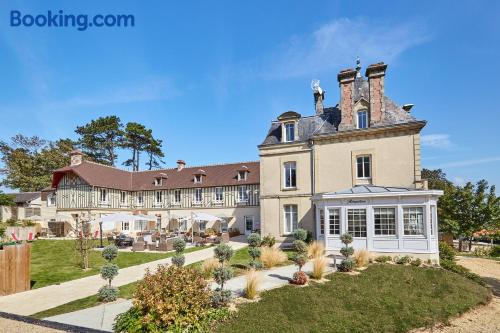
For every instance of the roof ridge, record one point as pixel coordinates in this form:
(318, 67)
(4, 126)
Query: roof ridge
(104, 165)
(196, 166)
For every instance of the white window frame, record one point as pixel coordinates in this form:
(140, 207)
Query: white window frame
(292, 213)
(321, 221)
(242, 175)
(160, 195)
(126, 226)
(363, 162)
(140, 198)
(249, 218)
(123, 197)
(433, 218)
(353, 233)
(51, 200)
(290, 170)
(219, 191)
(242, 193)
(204, 224)
(287, 131)
(331, 232)
(198, 179)
(198, 200)
(412, 235)
(358, 114)
(396, 221)
(158, 181)
(105, 192)
(177, 202)
(141, 224)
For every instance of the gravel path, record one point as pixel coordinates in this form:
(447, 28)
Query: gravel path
(483, 319)
(10, 326)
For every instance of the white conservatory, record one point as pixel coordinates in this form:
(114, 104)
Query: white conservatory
(383, 220)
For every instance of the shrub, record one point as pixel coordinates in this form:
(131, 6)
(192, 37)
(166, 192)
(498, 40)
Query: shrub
(361, 257)
(2, 230)
(319, 267)
(300, 246)
(416, 262)
(346, 238)
(220, 298)
(300, 234)
(299, 278)
(404, 260)
(254, 239)
(109, 271)
(178, 259)
(223, 252)
(459, 269)
(254, 253)
(110, 252)
(253, 279)
(222, 274)
(347, 251)
(179, 245)
(107, 293)
(300, 260)
(268, 241)
(208, 266)
(446, 251)
(172, 296)
(309, 237)
(315, 250)
(383, 259)
(272, 256)
(495, 251)
(346, 265)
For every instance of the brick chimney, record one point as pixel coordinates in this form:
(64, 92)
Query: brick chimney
(180, 165)
(76, 157)
(346, 83)
(375, 74)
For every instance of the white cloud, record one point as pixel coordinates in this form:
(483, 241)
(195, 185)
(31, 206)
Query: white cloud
(336, 45)
(469, 162)
(460, 181)
(439, 141)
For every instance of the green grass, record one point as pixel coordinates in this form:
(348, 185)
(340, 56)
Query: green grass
(54, 261)
(383, 298)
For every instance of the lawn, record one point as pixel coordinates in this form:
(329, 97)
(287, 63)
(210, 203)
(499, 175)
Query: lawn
(54, 261)
(383, 298)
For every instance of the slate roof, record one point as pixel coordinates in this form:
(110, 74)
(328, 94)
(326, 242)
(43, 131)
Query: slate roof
(328, 122)
(24, 197)
(214, 175)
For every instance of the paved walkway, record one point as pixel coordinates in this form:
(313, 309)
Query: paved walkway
(103, 316)
(36, 300)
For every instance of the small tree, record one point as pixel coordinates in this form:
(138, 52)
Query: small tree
(109, 271)
(178, 259)
(83, 244)
(222, 274)
(254, 242)
(347, 264)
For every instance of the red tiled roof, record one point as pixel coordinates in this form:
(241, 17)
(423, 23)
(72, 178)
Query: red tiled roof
(104, 176)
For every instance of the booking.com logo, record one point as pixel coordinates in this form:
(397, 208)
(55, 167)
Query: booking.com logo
(59, 19)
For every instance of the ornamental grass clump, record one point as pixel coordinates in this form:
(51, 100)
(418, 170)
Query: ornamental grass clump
(348, 263)
(272, 256)
(254, 251)
(178, 258)
(222, 274)
(361, 257)
(208, 266)
(319, 267)
(252, 282)
(109, 271)
(315, 250)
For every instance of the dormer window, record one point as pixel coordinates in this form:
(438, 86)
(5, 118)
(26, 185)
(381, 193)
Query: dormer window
(242, 175)
(362, 119)
(289, 132)
(197, 179)
(158, 181)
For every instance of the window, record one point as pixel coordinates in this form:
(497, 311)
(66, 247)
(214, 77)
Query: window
(363, 167)
(177, 197)
(103, 195)
(123, 197)
(197, 179)
(224, 226)
(362, 119)
(242, 175)
(51, 200)
(321, 221)
(158, 181)
(290, 174)
(242, 194)
(385, 221)
(159, 197)
(289, 132)
(356, 222)
(198, 195)
(433, 211)
(413, 218)
(158, 222)
(219, 194)
(183, 225)
(125, 226)
(202, 225)
(140, 225)
(140, 198)
(249, 223)
(334, 221)
(291, 218)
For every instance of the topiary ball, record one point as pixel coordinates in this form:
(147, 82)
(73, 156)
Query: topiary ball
(109, 271)
(300, 246)
(220, 298)
(300, 278)
(178, 259)
(254, 239)
(179, 245)
(346, 238)
(223, 252)
(222, 274)
(347, 251)
(110, 252)
(300, 259)
(107, 294)
(346, 265)
(254, 252)
(300, 234)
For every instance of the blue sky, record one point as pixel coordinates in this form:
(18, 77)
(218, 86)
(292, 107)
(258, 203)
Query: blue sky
(209, 76)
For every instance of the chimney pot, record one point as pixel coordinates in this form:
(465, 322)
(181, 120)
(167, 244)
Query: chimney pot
(180, 165)
(76, 157)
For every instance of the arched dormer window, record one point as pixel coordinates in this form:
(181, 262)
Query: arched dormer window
(242, 173)
(198, 176)
(289, 121)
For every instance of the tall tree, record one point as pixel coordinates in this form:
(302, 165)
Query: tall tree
(155, 153)
(137, 137)
(6, 199)
(29, 161)
(100, 138)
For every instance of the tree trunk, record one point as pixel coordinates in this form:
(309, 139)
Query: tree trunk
(470, 244)
(137, 164)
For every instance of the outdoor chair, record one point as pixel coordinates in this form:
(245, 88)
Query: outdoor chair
(138, 246)
(30, 237)
(152, 246)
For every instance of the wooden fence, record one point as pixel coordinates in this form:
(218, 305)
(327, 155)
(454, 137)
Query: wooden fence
(15, 265)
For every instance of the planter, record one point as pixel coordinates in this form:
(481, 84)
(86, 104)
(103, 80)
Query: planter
(15, 265)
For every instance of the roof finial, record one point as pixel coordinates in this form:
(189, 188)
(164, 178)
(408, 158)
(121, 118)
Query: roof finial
(358, 67)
